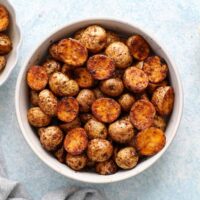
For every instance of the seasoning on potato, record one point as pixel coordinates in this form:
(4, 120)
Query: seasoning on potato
(111, 37)
(78, 34)
(53, 51)
(51, 66)
(2, 62)
(106, 168)
(153, 86)
(85, 117)
(4, 18)
(159, 122)
(70, 125)
(60, 154)
(126, 101)
(5, 44)
(34, 98)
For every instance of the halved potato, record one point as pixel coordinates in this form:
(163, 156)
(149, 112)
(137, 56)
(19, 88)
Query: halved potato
(111, 37)
(153, 86)
(34, 97)
(126, 101)
(2, 62)
(5, 44)
(4, 18)
(51, 66)
(70, 125)
(159, 122)
(106, 168)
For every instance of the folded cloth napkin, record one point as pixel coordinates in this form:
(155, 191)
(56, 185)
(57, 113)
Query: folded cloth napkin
(12, 190)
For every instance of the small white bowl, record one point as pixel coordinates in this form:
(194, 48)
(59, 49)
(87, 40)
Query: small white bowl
(22, 101)
(15, 35)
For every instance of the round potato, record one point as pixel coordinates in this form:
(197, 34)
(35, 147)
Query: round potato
(159, 122)
(150, 141)
(5, 44)
(71, 88)
(127, 158)
(70, 125)
(94, 38)
(67, 109)
(53, 51)
(119, 52)
(121, 131)
(51, 137)
(138, 47)
(76, 162)
(4, 18)
(67, 70)
(51, 66)
(34, 98)
(37, 117)
(85, 117)
(155, 68)
(37, 78)
(111, 37)
(85, 99)
(95, 129)
(126, 101)
(60, 154)
(47, 102)
(135, 80)
(78, 34)
(76, 141)
(106, 168)
(98, 93)
(106, 110)
(163, 100)
(2, 62)
(112, 87)
(99, 150)
(153, 86)
(101, 67)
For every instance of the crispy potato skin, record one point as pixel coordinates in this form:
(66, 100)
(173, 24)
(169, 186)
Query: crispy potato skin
(99, 150)
(34, 97)
(60, 154)
(37, 117)
(163, 100)
(67, 109)
(106, 168)
(51, 66)
(100, 66)
(150, 141)
(159, 122)
(71, 88)
(5, 44)
(119, 52)
(85, 117)
(4, 18)
(155, 68)
(135, 80)
(2, 62)
(111, 37)
(126, 101)
(153, 86)
(76, 141)
(142, 114)
(127, 158)
(138, 47)
(70, 125)
(106, 110)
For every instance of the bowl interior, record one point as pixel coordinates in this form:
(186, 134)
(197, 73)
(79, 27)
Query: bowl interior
(22, 101)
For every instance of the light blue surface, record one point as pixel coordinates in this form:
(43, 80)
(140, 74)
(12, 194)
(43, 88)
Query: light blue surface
(174, 22)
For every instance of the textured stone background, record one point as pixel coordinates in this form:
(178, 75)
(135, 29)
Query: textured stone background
(174, 22)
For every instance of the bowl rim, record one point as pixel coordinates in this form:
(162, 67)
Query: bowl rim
(106, 179)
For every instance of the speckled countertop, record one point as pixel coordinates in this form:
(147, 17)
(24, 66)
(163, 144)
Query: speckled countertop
(174, 22)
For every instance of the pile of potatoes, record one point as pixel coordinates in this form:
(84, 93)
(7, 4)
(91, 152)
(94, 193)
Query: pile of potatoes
(100, 101)
(5, 41)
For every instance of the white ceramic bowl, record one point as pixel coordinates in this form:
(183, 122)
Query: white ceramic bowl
(14, 33)
(22, 102)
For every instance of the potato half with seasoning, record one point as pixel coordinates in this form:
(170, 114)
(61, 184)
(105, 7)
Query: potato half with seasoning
(34, 97)
(4, 18)
(106, 168)
(76, 141)
(70, 125)
(51, 66)
(150, 141)
(153, 86)
(5, 44)
(159, 122)
(126, 101)
(53, 51)
(2, 62)
(111, 37)
(106, 110)
(142, 114)
(100, 66)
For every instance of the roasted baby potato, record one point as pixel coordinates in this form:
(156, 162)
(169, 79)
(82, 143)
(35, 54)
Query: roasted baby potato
(127, 158)
(106, 168)
(142, 114)
(67, 70)
(112, 87)
(53, 51)
(101, 67)
(150, 141)
(76, 141)
(126, 101)
(135, 80)
(71, 88)
(2, 62)
(78, 34)
(85, 99)
(5, 44)
(4, 18)
(138, 47)
(70, 125)
(37, 78)
(155, 68)
(51, 66)
(37, 117)
(163, 100)
(60, 154)
(94, 38)
(106, 110)
(111, 37)
(51, 137)
(119, 52)
(98, 93)
(159, 122)
(99, 150)
(67, 109)
(34, 97)
(95, 129)
(153, 86)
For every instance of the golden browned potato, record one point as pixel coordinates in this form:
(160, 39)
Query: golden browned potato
(51, 66)
(34, 97)
(71, 88)
(37, 78)
(70, 125)
(138, 47)
(142, 114)
(60, 154)
(95, 129)
(67, 109)
(72, 52)
(111, 37)
(159, 122)
(99, 150)
(153, 86)
(127, 158)
(4, 18)
(85, 117)
(135, 80)
(155, 68)
(51, 137)
(112, 87)
(37, 117)
(163, 100)
(98, 93)
(5, 44)
(150, 141)
(100, 66)
(2, 62)
(53, 51)
(48, 102)
(76, 141)
(126, 101)
(78, 34)
(85, 99)
(94, 38)
(106, 168)
(119, 52)
(106, 110)
(121, 131)
(67, 70)
(83, 78)
(76, 162)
